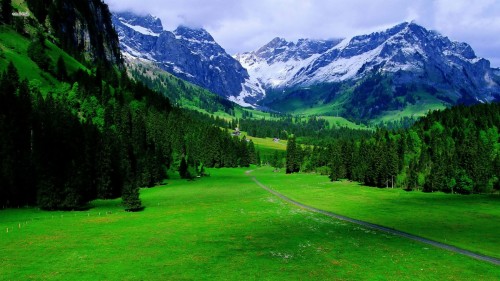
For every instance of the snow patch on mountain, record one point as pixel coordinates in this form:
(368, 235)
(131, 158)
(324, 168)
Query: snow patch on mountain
(142, 30)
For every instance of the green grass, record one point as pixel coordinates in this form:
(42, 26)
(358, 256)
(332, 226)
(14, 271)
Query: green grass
(425, 103)
(14, 46)
(223, 227)
(20, 5)
(336, 122)
(267, 147)
(469, 222)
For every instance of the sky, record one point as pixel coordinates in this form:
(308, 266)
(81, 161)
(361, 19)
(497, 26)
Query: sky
(245, 25)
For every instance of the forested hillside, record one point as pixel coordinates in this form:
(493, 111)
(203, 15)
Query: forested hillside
(456, 150)
(73, 133)
(178, 91)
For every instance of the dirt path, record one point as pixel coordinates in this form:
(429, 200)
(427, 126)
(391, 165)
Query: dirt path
(382, 228)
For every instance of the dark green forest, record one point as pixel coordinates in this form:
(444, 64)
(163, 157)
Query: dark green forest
(456, 150)
(65, 149)
(99, 135)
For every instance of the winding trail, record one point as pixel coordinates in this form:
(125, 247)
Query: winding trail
(382, 228)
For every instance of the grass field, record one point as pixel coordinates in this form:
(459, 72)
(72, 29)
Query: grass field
(425, 104)
(267, 146)
(337, 122)
(13, 48)
(223, 227)
(469, 222)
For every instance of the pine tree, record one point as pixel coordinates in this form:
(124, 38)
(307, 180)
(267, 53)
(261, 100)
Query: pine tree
(10, 80)
(61, 72)
(337, 165)
(275, 158)
(183, 169)
(252, 153)
(130, 197)
(104, 169)
(6, 6)
(292, 156)
(244, 155)
(22, 140)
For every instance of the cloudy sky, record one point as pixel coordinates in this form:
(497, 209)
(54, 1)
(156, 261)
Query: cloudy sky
(246, 25)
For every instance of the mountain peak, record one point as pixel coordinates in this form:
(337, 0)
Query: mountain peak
(141, 22)
(271, 47)
(193, 33)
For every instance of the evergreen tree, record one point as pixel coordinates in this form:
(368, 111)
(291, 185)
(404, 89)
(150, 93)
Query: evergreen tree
(252, 154)
(337, 165)
(130, 197)
(61, 72)
(243, 153)
(183, 169)
(104, 169)
(36, 52)
(275, 158)
(6, 6)
(10, 80)
(292, 156)
(22, 140)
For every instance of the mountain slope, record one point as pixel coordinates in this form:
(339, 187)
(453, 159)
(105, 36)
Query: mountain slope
(405, 61)
(178, 91)
(190, 54)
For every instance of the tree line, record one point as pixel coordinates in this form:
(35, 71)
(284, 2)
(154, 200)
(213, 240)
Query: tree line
(456, 150)
(311, 130)
(92, 140)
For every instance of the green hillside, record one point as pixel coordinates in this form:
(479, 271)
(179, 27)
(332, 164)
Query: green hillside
(14, 48)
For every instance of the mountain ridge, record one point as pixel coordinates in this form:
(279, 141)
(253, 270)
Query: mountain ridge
(189, 53)
(382, 71)
(408, 57)
(405, 47)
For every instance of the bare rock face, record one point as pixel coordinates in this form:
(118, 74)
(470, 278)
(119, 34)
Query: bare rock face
(85, 28)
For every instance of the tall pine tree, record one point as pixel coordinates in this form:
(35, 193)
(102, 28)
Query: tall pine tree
(6, 6)
(292, 156)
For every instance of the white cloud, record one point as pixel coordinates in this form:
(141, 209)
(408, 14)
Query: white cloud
(246, 25)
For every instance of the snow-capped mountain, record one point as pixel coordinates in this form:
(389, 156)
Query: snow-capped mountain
(408, 53)
(188, 53)
(276, 63)
(409, 60)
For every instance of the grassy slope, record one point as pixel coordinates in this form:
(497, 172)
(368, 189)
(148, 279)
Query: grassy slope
(222, 227)
(14, 47)
(425, 103)
(470, 222)
(336, 122)
(267, 146)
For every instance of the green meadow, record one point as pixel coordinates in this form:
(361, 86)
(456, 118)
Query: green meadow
(13, 48)
(470, 222)
(223, 227)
